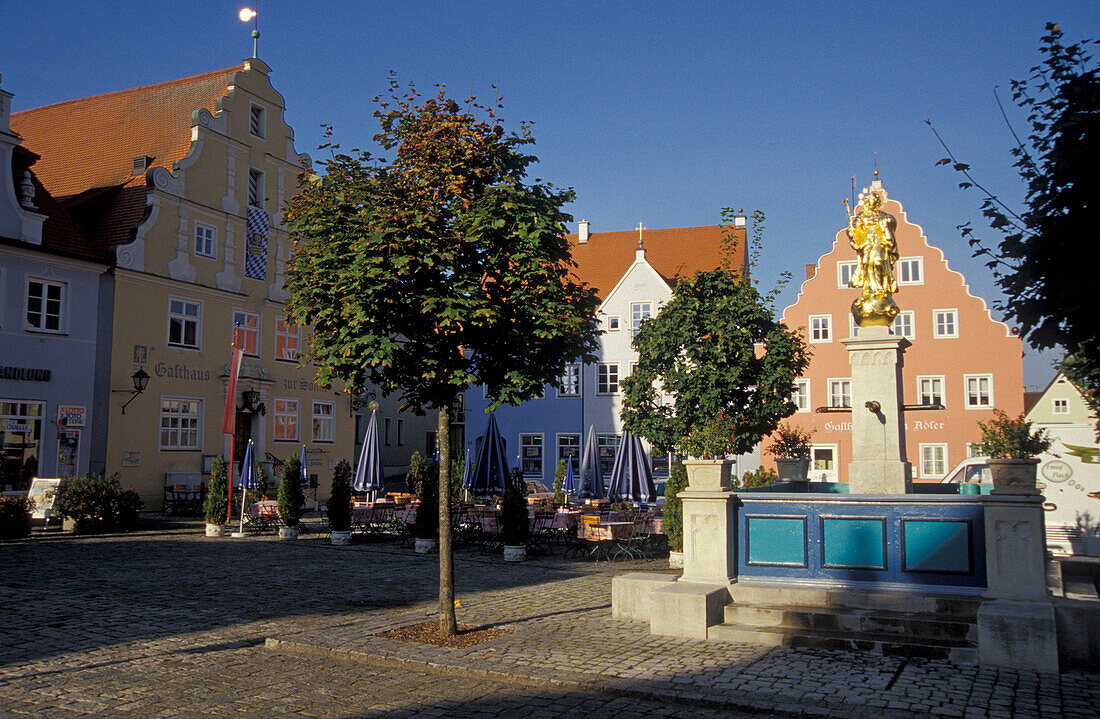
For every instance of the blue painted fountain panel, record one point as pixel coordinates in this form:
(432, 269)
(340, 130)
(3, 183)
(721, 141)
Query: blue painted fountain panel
(862, 539)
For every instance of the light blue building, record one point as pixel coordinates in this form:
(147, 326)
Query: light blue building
(51, 285)
(633, 273)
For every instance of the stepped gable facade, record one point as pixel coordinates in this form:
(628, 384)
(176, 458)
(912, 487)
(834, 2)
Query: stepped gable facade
(182, 184)
(960, 364)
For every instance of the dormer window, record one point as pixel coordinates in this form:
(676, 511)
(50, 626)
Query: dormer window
(257, 121)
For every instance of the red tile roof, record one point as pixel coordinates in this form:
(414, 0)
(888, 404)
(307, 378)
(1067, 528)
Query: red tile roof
(91, 142)
(675, 253)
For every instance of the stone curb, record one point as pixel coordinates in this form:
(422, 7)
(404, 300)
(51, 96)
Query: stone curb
(660, 691)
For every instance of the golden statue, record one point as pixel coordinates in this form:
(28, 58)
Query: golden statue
(871, 234)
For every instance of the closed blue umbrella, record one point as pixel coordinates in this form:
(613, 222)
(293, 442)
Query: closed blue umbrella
(569, 483)
(248, 469)
(490, 466)
(302, 468)
(631, 480)
(591, 474)
(368, 473)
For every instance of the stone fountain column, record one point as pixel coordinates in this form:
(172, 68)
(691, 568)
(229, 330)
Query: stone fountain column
(878, 465)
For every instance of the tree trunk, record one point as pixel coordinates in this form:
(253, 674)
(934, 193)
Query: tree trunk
(448, 626)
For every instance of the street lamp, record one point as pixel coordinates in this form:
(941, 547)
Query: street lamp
(141, 381)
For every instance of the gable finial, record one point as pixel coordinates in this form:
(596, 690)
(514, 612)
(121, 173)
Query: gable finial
(640, 228)
(245, 15)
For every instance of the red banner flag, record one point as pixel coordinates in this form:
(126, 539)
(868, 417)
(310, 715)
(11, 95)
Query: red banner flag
(231, 391)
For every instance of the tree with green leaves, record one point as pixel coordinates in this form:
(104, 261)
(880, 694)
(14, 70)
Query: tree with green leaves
(1041, 261)
(701, 352)
(441, 268)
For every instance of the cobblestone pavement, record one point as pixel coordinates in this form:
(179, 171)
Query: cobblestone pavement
(167, 623)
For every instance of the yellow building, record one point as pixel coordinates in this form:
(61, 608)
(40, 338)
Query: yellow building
(184, 183)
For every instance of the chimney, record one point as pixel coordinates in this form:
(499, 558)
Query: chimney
(811, 270)
(739, 218)
(582, 232)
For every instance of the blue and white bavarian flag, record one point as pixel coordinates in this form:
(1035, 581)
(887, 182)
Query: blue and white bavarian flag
(255, 244)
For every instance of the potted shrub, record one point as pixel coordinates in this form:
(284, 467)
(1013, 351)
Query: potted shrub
(339, 504)
(423, 480)
(559, 483)
(791, 449)
(672, 523)
(96, 503)
(214, 505)
(706, 446)
(290, 498)
(514, 526)
(15, 517)
(1012, 449)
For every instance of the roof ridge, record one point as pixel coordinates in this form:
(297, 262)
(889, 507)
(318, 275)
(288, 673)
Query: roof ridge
(652, 229)
(178, 81)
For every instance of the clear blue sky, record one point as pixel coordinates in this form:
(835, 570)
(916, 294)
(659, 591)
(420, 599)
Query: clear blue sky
(654, 112)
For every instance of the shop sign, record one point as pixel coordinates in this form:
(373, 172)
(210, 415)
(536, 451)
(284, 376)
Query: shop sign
(181, 371)
(14, 425)
(71, 415)
(28, 374)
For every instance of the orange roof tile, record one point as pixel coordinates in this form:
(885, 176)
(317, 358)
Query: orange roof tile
(91, 142)
(675, 253)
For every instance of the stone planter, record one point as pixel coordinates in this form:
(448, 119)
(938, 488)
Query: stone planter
(214, 530)
(425, 546)
(789, 468)
(517, 553)
(340, 539)
(288, 532)
(708, 475)
(1014, 476)
(675, 560)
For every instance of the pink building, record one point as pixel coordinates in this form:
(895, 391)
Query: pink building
(961, 363)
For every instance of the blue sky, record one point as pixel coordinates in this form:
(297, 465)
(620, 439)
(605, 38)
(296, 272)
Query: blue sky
(654, 112)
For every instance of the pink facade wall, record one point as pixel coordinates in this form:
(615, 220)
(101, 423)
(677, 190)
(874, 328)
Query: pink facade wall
(984, 350)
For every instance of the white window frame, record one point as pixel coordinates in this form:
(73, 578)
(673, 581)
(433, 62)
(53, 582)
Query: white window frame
(1059, 405)
(612, 323)
(322, 424)
(905, 262)
(183, 318)
(205, 240)
(841, 382)
(639, 312)
(607, 442)
(929, 460)
(569, 384)
(257, 120)
(820, 329)
(801, 395)
(532, 440)
(242, 316)
(282, 410)
(853, 326)
(951, 332)
(967, 379)
(43, 312)
(932, 380)
(842, 283)
(972, 450)
(287, 335)
(604, 372)
(181, 423)
(574, 442)
(255, 190)
(909, 315)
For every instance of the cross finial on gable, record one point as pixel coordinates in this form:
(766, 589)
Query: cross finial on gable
(640, 228)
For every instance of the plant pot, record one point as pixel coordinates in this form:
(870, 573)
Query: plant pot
(708, 475)
(790, 468)
(675, 560)
(516, 553)
(214, 530)
(340, 539)
(425, 546)
(1014, 476)
(288, 532)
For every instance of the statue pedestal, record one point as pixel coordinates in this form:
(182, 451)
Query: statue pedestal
(878, 465)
